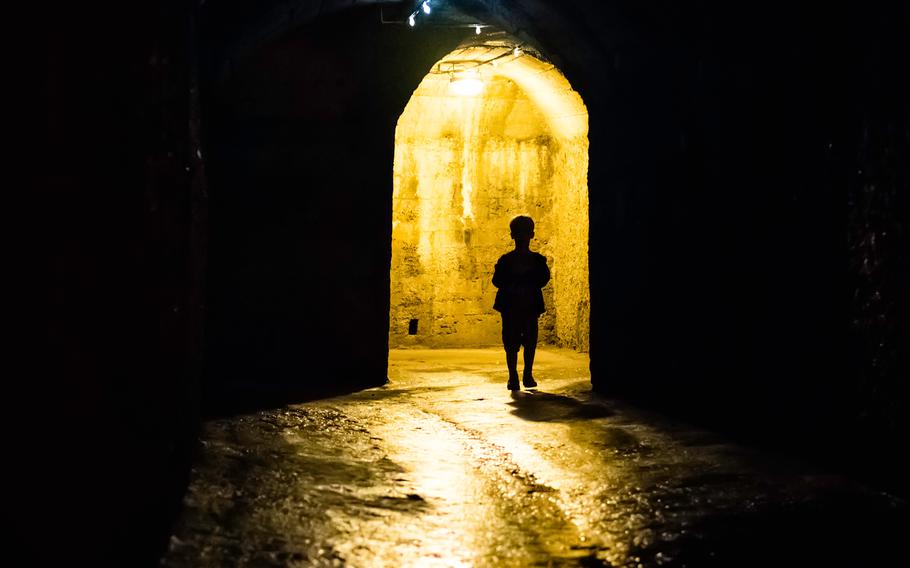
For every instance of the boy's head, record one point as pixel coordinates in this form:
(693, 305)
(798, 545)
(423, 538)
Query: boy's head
(522, 228)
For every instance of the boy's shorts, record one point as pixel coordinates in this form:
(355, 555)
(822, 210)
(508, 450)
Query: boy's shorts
(518, 329)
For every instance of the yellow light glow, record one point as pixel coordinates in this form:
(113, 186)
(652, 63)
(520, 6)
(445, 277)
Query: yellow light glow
(475, 147)
(466, 207)
(466, 86)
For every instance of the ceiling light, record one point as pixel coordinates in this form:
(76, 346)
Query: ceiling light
(466, 85)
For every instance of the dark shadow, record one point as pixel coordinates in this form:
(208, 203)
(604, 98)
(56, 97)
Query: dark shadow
(236, 398)
(540, 406)
(832, 531)
(239, 398)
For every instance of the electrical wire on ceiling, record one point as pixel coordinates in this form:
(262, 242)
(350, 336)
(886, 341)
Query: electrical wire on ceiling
(424, 9)
(500, 51)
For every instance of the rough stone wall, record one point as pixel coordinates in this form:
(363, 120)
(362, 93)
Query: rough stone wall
(464, 167)
(570, 275)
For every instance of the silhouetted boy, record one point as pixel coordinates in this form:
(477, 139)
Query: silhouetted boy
(520, 275)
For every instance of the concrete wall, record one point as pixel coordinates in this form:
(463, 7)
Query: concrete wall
(464, 167)
(572, 294)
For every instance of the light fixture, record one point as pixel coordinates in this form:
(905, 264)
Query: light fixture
(466, 84)
(412, 20)
(477, 29)
(426, 7)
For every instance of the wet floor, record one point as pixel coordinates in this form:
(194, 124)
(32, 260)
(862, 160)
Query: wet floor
(444, 467)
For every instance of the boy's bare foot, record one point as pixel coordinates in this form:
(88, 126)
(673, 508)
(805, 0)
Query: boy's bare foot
(528, 381)
(513, 384)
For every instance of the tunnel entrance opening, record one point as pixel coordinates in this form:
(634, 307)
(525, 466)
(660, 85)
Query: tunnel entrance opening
(492, 131)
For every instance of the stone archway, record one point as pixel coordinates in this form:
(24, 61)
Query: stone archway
(493, 131)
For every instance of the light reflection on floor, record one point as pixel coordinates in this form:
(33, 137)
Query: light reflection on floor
(444, 467)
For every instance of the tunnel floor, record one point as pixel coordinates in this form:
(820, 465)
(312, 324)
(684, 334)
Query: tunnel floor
(444, 467)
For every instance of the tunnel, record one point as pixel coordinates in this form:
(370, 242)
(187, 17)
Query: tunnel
(263, 234)
(490, 133)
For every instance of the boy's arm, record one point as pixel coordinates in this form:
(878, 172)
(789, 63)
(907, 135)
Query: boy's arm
(499, 275)
(543, 272)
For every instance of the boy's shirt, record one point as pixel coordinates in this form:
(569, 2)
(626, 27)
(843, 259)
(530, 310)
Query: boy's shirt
(520, 277)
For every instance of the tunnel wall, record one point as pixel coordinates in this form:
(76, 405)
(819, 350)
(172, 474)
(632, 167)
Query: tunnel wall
(108, 419)
(303, 132)
(571, 283)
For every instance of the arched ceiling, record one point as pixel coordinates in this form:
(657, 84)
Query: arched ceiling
(545, 85)
(238, 26)
(568, 33)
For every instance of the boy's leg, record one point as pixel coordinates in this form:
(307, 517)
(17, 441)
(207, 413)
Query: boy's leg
(530, 345)
(511, 341)
(512, 364)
